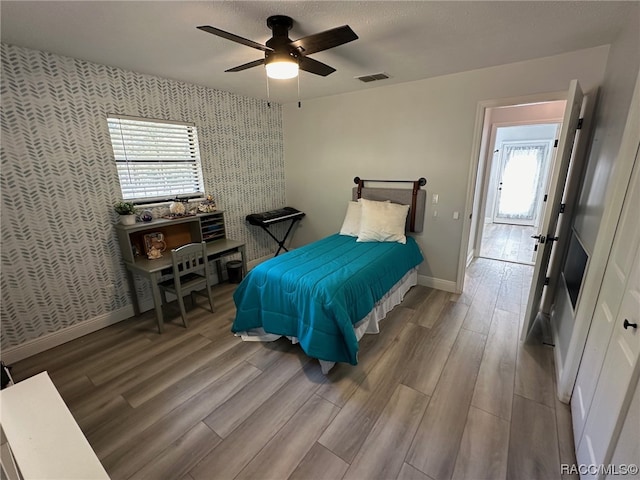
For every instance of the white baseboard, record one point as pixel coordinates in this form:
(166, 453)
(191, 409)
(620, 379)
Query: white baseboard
(45, 342)
(471, 256)
(437, 283)
(563, 397)
(557, 356)
(37, 345)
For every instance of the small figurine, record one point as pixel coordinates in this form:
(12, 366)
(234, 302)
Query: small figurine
(208, 205)
(154, 253)
(177, 208)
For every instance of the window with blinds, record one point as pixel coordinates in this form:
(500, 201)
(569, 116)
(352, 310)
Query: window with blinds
(156, 160)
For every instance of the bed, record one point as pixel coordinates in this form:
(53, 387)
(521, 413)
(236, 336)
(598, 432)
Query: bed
(326, 295)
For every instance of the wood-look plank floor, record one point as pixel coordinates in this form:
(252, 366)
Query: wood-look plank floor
(444, 391)
(511, 243)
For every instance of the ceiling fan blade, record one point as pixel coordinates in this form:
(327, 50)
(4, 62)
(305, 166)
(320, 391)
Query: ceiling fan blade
(313, 66)
(324, 40)
(234, 38)
(239, 68)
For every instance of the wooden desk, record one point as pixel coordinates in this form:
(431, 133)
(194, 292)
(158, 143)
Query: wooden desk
(177, 232)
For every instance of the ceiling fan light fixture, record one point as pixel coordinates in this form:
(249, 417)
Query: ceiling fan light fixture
(281, 66)
(283, 57)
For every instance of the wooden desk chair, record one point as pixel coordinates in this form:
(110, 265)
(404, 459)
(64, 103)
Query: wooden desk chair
(190, 275)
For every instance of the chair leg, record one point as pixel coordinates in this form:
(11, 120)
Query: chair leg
(194, 302)
(183, 312)
(210, 295)
(163, 296)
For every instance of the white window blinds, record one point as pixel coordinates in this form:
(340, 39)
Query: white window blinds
(156, 160)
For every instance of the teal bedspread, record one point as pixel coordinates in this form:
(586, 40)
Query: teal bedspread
(318, 292)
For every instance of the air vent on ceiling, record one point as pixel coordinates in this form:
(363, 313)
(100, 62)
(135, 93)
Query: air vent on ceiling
(373, 77)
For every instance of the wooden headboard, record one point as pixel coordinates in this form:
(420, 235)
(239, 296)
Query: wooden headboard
(414, 197)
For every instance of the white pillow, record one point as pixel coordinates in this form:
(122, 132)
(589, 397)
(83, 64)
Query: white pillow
(382, 222)
(351, 223)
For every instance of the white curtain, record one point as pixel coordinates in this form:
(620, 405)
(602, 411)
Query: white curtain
(521, 177)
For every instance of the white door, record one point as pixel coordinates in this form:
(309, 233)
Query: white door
(609, 369)
(523, 167)
(552, 206)
(628, 445)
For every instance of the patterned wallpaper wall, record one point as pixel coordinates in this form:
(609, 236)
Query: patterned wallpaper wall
(60, 259)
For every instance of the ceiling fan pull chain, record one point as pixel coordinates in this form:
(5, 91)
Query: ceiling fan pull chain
(299, 102)
(268, 95)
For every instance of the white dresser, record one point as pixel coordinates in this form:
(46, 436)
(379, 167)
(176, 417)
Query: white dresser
(43, 438)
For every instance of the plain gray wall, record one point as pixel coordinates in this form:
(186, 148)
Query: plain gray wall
(417, 129)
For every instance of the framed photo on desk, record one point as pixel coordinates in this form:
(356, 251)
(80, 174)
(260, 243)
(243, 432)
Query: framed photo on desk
(154, 240)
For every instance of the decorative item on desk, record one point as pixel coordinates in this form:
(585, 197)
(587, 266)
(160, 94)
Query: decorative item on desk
(127, 212)
(207, 206)
(180, 208)
(154, 253)
(177, 208)
(146, 216)
(154, 241)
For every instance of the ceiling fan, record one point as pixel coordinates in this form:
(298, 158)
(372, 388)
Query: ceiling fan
(283, 56)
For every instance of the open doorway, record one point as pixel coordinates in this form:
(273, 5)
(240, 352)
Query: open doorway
(519, 160)
(553, 234)
(516, 157)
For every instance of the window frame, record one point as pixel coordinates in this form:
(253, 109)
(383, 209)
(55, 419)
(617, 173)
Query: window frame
(115, 126)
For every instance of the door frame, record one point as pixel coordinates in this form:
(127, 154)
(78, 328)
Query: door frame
(478, 171)
(485, 172)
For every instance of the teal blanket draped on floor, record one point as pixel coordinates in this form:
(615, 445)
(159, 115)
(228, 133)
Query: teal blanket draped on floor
(318, 292)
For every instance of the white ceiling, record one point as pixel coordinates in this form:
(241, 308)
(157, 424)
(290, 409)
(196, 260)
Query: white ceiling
(407, 40)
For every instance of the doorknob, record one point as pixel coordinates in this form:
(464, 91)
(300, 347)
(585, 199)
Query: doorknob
(540, 238)
(627, 324)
